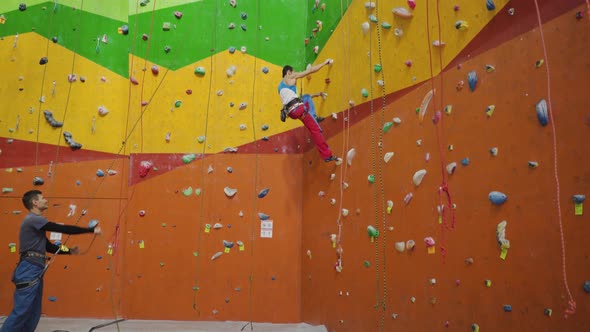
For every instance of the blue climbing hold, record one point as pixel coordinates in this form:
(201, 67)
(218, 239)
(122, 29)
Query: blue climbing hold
(232, 50)
(472, 80)
(542, 113)
(263, 216)
(100, 173)
(465, 161)
(265, 70)
(587, 286)
(579, 199)
(230, 170)
(507, 308)
(490, 5)
(263, 193)
(497, 198)
(52, 298)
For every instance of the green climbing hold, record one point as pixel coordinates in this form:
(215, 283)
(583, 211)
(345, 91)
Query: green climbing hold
(177, 103)
(417, 110)
(198, 191)
(367, 264)
(371, 178)
(365, 93)
(195, 288)
(188, 191)
(387, 126)
(201, 139)
(187, 158)
(378, 68)
(386, 25)
(372, 231)
(200, 71)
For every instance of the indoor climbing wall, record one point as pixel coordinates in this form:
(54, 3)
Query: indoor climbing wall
(445, 212)
(160, 120)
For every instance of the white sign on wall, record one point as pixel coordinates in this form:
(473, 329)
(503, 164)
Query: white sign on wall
(266, 228)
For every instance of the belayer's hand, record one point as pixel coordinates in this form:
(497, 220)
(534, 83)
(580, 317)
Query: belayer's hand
(97, 230)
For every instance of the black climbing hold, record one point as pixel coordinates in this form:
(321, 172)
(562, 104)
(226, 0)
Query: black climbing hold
(125, 29)
(38, 181)
(49, 117)
(22, 7)
(43, 61)
(54, 39)
(73, 145)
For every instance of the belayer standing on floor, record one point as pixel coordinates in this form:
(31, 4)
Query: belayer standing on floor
(294, 107)
(28, 275)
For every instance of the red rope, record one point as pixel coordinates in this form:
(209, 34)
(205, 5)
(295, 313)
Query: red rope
(444, 187)
(571, 303)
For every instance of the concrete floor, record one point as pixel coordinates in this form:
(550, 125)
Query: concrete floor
(84, 325)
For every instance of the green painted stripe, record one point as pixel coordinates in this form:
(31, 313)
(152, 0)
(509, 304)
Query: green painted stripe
(114, 9)
(76, 30)
(204, 26)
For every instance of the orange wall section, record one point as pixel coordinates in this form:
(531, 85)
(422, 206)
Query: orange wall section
(362, 298)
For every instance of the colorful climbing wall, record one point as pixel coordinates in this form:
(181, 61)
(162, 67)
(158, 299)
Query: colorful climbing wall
(175, 106)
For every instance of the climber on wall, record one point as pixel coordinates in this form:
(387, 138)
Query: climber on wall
(28, 274)
(307, 100)
(294, 107)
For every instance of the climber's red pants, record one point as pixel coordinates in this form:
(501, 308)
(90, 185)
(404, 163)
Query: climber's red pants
(314, 129)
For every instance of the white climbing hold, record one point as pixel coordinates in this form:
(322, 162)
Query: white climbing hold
(344, 212)
(230, 192)
(334, 116)
(243, 49)
(231, 71)
(418, 177)
(438, 43)
(102, 111)
(333, 201)
(332, 176)
(402, 12)
(388, 156)
(216, 255)
(217, 226)
(338, 161)
(365, 27)
(370, 5)
(243, 127)
(344, 185)
(241, 214)
(451, 167)
(397, 120)
(400, 246)
(350, 156)
(210, 169)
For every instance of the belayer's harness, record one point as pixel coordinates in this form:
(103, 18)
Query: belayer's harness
(23, 255)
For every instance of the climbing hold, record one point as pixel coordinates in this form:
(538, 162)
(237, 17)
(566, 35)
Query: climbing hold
(378, 68)
(398, 32)
(264, 127)
(371, 178)
(144, 168)
(201, 139)
(465, 161)
(243, 106)
(365, 27)
(263, 193)
(142, 213)
(472, 80)
(424, 105)
(402, 12)
(497, 198)
(400, 246)
(548, 312)
(387, 126)
(265, 70)
(418, 177)
(243, 127)
(474, 327)
(461, 25)
(542, 113)
(490, 5)
(408, 198)
(436, 117)
(167, 49)
(579, 199)
(43, 61)
(429, 241)
(511, 11)
(231, 71)
(52, 298)
(243, 26)
(92, 223)
(364, 93)
(233, 3)
(494, 151)
(178, 14)
(166, 26)
(124, 29)
(539, 63)
(587, 286)
(49, 117)
(451, 167)
(350, 156)
(490, 68)
(38, 181)
(187, 158)
(102, 111)
(22, 7)
(387, 156)
(490, 110)
(410, 245)
(133, 80)
(231, 26)
(533, 164)
(507, 308)
(501, 235)
(438, 43)
(228, 244)
(397, 120)
(385, 25)
(144, 36)
(215, 256)
(370, 5)
(100, 173)
(344, 212)
(230, 192)
(230, 170)
(231, 50)
(177, 103)
(263, 216)
(155, 70)
(244, 16)
(217, 226)
(372, 231)
(243, 49)
(73, 145)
